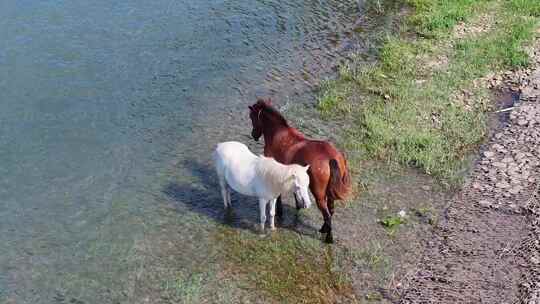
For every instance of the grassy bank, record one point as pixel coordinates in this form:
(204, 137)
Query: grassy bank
(423, 103)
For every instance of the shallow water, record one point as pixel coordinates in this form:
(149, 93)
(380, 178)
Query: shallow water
(108, 113)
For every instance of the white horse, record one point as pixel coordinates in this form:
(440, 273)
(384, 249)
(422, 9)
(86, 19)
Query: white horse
(259, 176)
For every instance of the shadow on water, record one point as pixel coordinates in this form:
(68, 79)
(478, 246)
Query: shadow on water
(203, 197)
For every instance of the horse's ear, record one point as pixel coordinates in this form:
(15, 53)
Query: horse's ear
(250, 108)
(306, 167)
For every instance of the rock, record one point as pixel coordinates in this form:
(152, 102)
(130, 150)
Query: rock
(498, 147)
(489, 154)
(502, 185)
(499, 165)
(513, 169)
(485, 203)
(515, 190)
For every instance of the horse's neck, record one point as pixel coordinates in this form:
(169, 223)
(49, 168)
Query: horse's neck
(283, 136)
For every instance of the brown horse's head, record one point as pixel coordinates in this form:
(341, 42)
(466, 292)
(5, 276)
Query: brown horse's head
(255, 114)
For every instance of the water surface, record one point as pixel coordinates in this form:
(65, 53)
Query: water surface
(108, 113)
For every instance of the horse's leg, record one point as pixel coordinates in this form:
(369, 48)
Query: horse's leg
(272, 213)
(326, 214)
(279, 207)
(328, 222)
(262, 212)
(224, 192)
(318, 184)
(322, 203)
(330, 206)
(228, 196)
(327, 226)
(298, 207)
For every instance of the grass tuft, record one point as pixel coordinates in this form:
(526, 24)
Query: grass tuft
(525, 7)
(436, 17)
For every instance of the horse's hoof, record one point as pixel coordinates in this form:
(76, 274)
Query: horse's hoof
(329, 239)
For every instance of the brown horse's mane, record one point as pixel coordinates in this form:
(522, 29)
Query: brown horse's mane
(270, 110)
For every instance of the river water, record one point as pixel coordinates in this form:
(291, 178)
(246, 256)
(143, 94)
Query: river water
(109, 111)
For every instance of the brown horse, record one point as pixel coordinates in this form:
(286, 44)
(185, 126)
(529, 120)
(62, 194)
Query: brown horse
(329, 177)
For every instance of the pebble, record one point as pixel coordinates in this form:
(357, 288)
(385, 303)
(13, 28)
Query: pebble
(507, 160)
(489, 154)
(515, 190)
(502, 185)
(477, 186)
(499, 165)
(485, 203)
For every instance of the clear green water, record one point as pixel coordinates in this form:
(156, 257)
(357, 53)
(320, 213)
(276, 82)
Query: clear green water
(109, 111)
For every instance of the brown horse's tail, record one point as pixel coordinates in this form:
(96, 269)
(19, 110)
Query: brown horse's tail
(338, 187)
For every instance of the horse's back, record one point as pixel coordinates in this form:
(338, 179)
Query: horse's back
(233, 150)
(316, 150)
(235, 163)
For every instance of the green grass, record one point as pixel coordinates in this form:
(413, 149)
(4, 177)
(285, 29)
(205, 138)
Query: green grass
(392, 222)
(404, 107)
(184, 289)
(436, 17)
(287, 267)
(525, 7)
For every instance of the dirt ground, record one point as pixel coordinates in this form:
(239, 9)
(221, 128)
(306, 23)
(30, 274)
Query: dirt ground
(486, 247)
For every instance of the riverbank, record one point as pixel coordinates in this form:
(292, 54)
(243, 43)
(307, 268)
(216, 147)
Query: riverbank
(429, 103)
(422, 104)
(486, 247)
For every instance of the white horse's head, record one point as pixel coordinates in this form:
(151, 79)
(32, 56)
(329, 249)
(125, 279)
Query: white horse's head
(301, 186)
